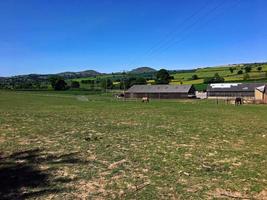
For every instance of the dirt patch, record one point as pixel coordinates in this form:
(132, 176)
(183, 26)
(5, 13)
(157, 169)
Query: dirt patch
(95, 187)
(2, 139)
(116, 164)
(129, 123)
(221, 193)
(262, 195)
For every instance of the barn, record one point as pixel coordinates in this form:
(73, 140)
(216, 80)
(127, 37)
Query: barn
(232, 90)
(261, 94)
(161, 91)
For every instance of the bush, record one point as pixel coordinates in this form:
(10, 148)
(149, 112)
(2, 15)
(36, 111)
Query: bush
(75, 84)
(194, 77)
(58, 83)
(248, 69)
(259, 68)
(87, 81)
(240, 72)
(246, 77)
(140, 81)
(215, 79)
(231, 69)
(106, 84)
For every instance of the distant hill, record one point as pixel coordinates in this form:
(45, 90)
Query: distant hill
(34, 78)
(66, 75)
(82, 74)
(141, 70)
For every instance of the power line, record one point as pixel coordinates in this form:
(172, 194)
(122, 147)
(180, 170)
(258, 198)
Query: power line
(185, 37)
(170, 42)
(174, 30)
(172, 35)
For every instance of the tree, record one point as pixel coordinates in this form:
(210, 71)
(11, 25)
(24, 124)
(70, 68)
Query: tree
(240, 72)
(259, 68)
(248, 69)
(231, 69)
(163, 77)
(58, 83)
(194, 77)
(53, 80)
(106, 84)
(128, 82)
(215, 79)
(218, 78)
(140, 81)
(75, 84)
(246, 77)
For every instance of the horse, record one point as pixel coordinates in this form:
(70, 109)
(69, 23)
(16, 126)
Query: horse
(238, 101)
(119, 96)
(145, 99)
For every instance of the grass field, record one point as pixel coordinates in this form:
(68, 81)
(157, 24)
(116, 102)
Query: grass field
(61, 146)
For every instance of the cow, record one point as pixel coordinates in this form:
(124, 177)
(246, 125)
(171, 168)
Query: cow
(238, 101)
(145, 99)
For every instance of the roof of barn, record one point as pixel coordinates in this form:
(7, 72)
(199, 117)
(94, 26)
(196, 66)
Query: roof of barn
(159, 89)
(233, 87)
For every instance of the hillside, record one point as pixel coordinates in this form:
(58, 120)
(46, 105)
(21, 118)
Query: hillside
(141, 70)
(82, 74)
(45, 77)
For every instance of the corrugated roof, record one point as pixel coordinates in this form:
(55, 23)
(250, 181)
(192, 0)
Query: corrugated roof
(233, 87)
(159, 89)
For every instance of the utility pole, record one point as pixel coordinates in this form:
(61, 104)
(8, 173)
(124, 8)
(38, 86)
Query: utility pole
(123, 78)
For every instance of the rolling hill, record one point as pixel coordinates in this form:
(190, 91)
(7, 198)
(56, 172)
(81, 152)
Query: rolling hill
(141, 70)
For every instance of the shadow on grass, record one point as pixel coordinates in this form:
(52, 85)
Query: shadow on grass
(21, 174)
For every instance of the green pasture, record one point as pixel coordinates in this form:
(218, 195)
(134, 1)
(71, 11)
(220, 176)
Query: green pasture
(57, 145)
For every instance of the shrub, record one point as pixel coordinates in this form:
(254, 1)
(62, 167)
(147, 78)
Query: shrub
(248, 69)
(106, 84)
(140, 81)
(215, 79)
(75, 84)
(58, 83)
(240, 72)
(246, 77)
(259, 68)
(194, 77)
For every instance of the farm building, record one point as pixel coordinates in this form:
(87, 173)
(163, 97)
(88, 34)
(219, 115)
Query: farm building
(261, 94)
(161, 91)
(232, 90)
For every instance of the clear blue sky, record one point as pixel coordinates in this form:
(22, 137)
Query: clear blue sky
(48, 36)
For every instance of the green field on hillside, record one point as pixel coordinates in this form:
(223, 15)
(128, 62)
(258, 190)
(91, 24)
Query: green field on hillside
(222, 71)
(58, 145)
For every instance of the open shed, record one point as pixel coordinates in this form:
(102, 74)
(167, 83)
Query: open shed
(232, 90)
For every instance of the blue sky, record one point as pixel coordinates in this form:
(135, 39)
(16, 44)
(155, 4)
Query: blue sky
(48, 36)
